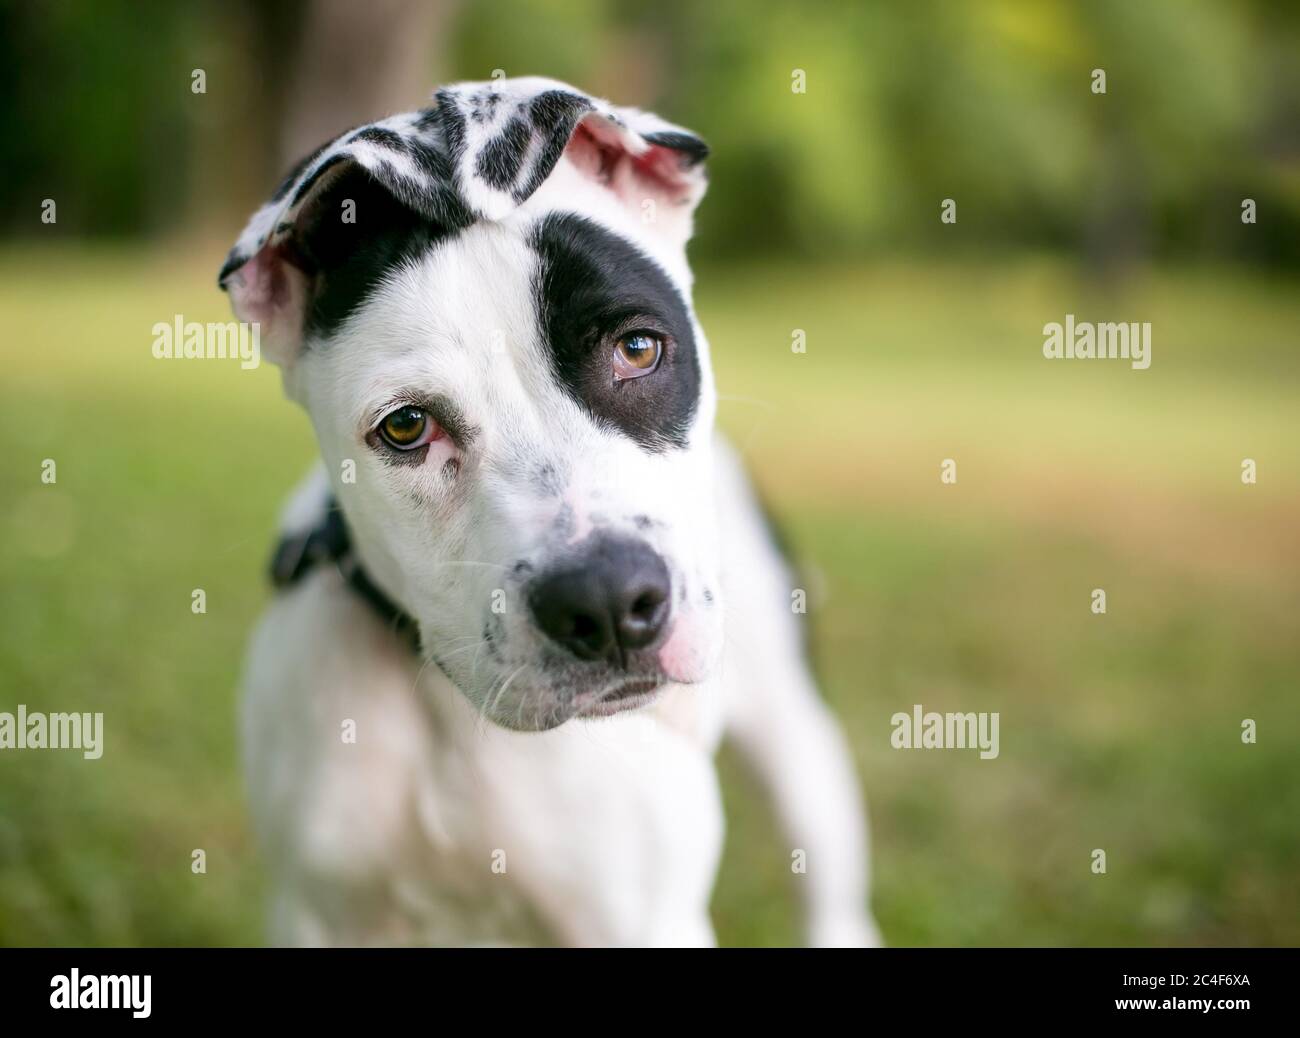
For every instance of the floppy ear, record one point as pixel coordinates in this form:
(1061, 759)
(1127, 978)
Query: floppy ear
(482, 151)
(395, 174)
(505, 138)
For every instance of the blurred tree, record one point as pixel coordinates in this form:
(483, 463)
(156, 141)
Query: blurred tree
(357, 62)
(905, 105)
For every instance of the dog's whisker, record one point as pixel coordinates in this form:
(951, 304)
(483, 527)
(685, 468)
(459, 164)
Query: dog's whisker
(485, 709)
(519, 713)
(415, 685)
(490, 702)
(472, 643)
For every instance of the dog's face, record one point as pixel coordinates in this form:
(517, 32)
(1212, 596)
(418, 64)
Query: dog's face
(485, 308)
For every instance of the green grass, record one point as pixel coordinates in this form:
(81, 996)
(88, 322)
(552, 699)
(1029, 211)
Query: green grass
(1118, 732)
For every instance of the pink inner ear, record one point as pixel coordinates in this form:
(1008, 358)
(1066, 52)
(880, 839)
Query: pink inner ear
(664, 165)
(605, 153)
(270, 291)
(595, 155)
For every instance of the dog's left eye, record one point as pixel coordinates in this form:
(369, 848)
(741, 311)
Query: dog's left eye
(408, 428)
(636, 354)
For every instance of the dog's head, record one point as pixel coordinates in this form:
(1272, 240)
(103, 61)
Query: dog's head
(485, 308)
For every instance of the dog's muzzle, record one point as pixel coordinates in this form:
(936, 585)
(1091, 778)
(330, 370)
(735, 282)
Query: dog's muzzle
(610, 603)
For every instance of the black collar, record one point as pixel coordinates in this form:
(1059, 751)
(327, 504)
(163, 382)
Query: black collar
(329, 541)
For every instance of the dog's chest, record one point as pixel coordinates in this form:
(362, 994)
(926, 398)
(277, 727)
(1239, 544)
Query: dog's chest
(524, 836)
(429, 825)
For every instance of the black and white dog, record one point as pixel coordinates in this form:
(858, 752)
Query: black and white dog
(528, 590)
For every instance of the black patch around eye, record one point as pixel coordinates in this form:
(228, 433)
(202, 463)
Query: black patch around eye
(592, 285)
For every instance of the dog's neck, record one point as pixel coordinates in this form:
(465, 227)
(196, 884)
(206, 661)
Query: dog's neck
(329, 541)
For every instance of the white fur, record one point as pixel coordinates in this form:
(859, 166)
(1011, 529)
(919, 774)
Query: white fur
(477, 803)
(609, 830)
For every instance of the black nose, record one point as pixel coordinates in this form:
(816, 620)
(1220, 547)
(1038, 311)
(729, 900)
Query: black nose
(610, 601)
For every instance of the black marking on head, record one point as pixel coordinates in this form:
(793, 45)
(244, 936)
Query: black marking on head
(410, 164)
(592, 287)
(381, 135)
(541, 128)
(452, 124)
(347, 261)
(305, 188)
(483, 105)
(500, 160)
(554, 114)
(297, 171)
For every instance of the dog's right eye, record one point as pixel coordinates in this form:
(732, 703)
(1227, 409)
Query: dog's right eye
(408, 428)
(636, 354)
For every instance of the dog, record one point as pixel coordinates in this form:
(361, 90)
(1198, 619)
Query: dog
(528, 589)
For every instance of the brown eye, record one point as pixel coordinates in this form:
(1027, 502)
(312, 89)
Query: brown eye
(408, 428)
(636, 354)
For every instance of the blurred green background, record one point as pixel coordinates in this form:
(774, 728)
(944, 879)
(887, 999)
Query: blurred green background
(1119, 732)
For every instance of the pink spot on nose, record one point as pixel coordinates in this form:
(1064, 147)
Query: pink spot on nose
(681, 657)
(582, 524)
